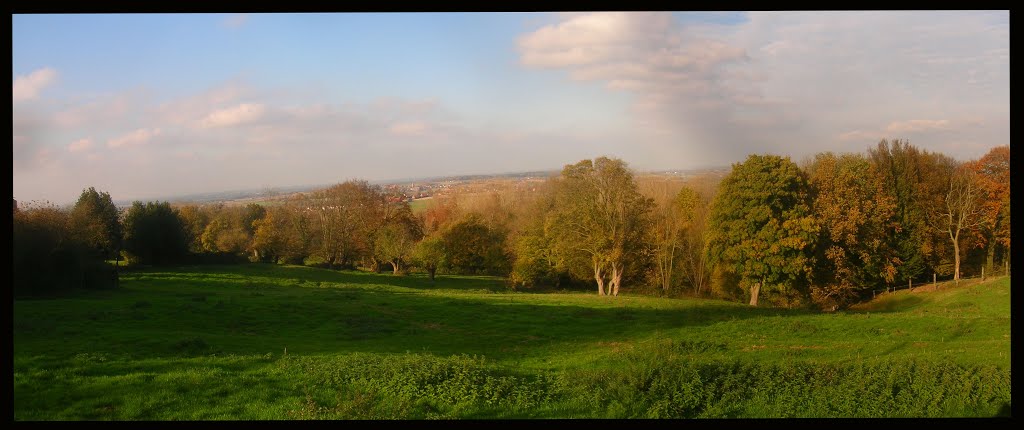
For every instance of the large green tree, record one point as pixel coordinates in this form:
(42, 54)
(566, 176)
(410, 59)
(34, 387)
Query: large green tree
(600, 217)
(761, 226)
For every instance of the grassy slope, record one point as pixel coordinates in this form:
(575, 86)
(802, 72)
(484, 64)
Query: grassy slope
(169, 342)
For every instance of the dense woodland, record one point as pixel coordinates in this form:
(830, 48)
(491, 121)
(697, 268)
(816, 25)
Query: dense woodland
(820, 233)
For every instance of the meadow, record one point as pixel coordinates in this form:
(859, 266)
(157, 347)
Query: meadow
(269, 342)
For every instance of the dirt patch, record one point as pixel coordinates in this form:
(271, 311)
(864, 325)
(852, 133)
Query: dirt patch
(754, 348)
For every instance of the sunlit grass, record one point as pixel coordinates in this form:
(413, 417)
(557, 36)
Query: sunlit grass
(290, 342)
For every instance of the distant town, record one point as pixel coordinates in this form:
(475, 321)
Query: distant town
(416, 189)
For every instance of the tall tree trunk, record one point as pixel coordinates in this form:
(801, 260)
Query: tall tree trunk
(394, 267)
(613, 287)
(430, 271)
(599, 277)
(754, 292)
(990, 258)
(956, 259)
(700, 274)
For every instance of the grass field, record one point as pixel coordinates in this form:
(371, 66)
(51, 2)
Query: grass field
(287, 342)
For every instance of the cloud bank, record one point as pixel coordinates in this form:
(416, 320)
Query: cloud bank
(792, 82)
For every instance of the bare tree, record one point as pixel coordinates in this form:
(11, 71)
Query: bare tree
(961, 211)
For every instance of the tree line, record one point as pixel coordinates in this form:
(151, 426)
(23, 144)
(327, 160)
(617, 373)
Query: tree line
(822, 233)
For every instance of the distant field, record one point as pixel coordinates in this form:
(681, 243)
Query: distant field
(420, 205)
(288, 342)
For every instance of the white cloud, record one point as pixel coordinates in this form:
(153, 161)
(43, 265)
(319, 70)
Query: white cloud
(28, 87)
(80, 145)
(241, 114)
(135, 138)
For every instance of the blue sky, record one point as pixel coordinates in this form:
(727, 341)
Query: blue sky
(153, 105)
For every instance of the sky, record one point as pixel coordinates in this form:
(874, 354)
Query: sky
(148, 106)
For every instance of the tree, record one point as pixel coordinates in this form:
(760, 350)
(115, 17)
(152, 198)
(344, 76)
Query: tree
(194, 219)
(429, 254)
(896, 165)
(917, 182)
(534, 262)
(471, 247)
(338, 217)
(855, 216)
(94, 220)
(393, 245)
(761, 226)
(677, 231)
(225, 234)
(694, 207)
(667, 227)
(270, 238)
(961, 211)
(993, 182)
(600, 216)
(49, 257)
(154, 234)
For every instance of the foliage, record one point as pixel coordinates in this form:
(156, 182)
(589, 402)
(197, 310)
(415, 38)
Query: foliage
(94, 221)
(394, 245)
(600, 217)
(855, 215)
(154, 234)
(993, 180)
(471, 247)
(916, 181)
(762, 228)
(429, 254)
(50, 257)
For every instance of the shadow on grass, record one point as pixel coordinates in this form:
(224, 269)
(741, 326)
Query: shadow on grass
(898, 303)
(312, 274)
(229, 310)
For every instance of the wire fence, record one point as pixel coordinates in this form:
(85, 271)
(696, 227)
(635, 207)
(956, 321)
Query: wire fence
(940, 281)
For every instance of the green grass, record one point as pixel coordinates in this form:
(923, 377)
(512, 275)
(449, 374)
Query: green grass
(289, 342)
(420, 205)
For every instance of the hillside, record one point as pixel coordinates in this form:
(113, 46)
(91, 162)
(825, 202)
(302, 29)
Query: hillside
(280, 342)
